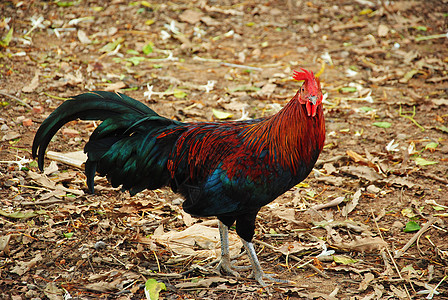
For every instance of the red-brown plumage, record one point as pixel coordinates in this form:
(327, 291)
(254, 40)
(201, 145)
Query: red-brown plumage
(228, 169)
(289, 140)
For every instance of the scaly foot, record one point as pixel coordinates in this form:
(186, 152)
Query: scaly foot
(257, 272)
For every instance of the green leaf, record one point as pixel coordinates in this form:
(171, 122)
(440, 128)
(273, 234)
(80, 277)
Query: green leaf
(443, 128)
(65, 3)
(109, 47)
(153, 288)
(311, 193)
(21, 214)
(431, 146)
(132, 52)
(33, 164)
(408, 212)
(408, 268)
(147, 49)
(150, 22)
(411, 226)
(409, 75)
(382, 124)
(7, 39)
(421, 28)
(366, 109)
(68, 235)
(221, 115)
(423, 162)
(366, 11)
(435, 207)
(345, 260)
(135, 60)
(348, 89)
(244, 88)
(179, 94)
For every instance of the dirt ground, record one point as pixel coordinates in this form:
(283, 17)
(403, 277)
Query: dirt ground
(383, 172)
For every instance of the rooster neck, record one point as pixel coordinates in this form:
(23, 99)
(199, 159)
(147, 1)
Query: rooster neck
(290, 136)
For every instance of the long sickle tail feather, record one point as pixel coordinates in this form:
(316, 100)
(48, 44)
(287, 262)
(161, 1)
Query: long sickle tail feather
(88, 106)
(124, 147)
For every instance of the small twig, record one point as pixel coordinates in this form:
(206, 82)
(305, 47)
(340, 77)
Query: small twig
(32, 187)
(390, 254)
(122, 263)
(264, 244)
(90, 263)
(411, 117)
(435, 177)
(45, 202)
(17, 99)
(55, 97)
(304, 264)
(295, 258)
(314, 268)
(332, 203)
(227, 64)
(415, 237)
(128, 286)
(430, 37)
(157, 260)
(321, 162)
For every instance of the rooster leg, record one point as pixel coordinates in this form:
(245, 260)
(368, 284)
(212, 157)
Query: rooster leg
(225, 263)
(256, 267)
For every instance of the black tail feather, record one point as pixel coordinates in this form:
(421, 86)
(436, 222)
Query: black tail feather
(88, 106)
(123, 147)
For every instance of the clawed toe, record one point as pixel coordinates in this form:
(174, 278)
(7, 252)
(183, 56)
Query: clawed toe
(260, 276)
(227, 268)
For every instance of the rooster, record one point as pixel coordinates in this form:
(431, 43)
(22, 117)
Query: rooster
(223, 169)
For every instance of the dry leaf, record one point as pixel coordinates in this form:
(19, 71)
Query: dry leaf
(210, 21)
(43, 180)
(53, 167)
(115, 86)
(186, 242)
(352, 204)
(33, 84)
(83, 38)
(367, 244)
(202, 283)
(11, 135)
(191, 16)
(368, 278)
(53, 292)
(4, 244)
(383, 30)
(24, 266)
(362, 172)
(440, 102)
(296, 247)
(267, 90)
(75, 159)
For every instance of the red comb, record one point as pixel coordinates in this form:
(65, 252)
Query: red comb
(305, 75)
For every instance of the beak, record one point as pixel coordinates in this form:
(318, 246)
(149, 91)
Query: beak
(313, 99)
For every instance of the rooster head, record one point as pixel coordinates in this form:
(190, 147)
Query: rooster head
(310, 93)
